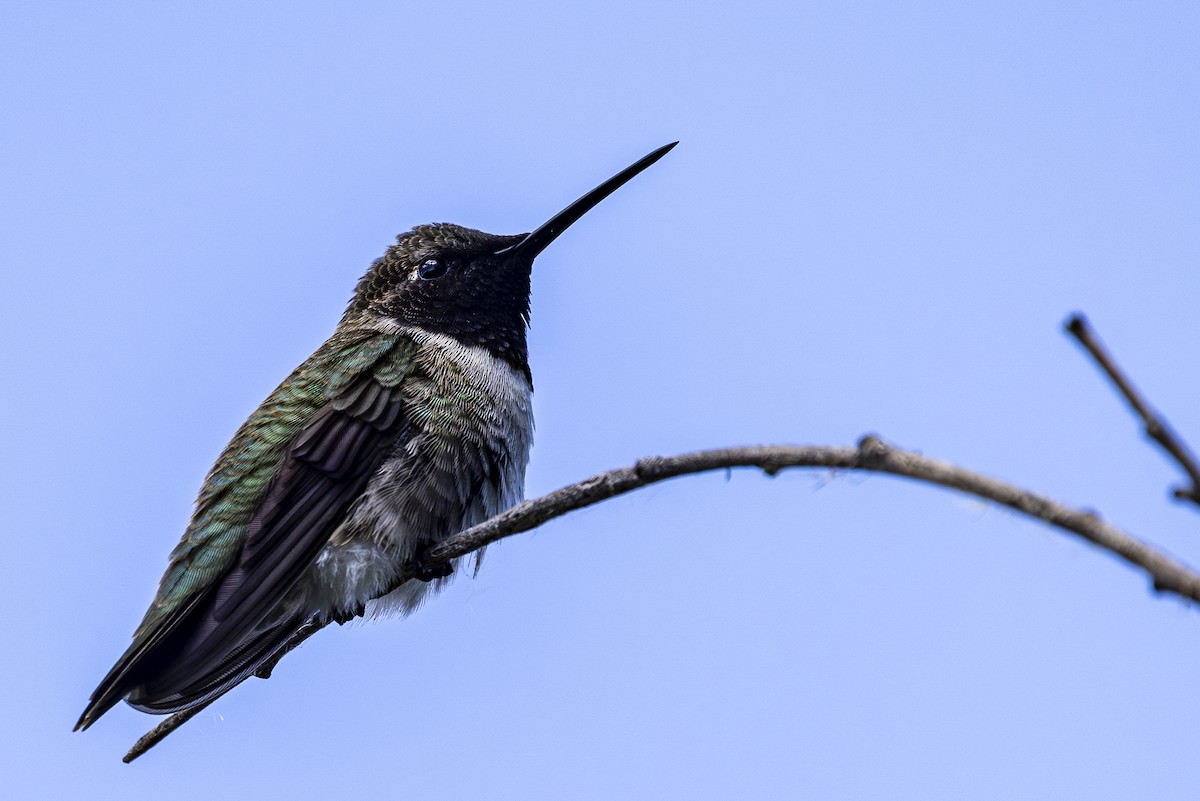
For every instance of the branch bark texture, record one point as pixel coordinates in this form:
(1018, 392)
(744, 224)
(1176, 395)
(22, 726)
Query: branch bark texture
(871, 454)
(1156, 427)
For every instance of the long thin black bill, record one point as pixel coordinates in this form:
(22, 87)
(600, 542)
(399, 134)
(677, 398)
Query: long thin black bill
(536, 242)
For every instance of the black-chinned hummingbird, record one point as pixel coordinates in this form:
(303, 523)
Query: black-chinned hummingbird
(411, 423)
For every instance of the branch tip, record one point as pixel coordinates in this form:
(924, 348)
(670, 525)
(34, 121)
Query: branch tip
(1155, 427)
(1077, 324)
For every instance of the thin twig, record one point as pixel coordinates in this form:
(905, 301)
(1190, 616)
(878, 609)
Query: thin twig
(155, 735)
(1156, 426)
(872, 455)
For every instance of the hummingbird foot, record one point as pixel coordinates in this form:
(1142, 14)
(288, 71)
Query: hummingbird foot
(428, 572)
(344, 616)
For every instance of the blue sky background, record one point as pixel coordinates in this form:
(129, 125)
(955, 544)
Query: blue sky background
(878, 218)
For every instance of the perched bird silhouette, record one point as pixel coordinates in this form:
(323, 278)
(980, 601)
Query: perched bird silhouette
(412, 422)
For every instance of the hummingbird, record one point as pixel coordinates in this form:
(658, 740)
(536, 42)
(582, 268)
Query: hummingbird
(410, 423)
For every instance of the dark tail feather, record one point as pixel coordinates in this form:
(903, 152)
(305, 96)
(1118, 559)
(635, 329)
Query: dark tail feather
(134, 664)
(95, 709)
(176, 689)
(160, 685)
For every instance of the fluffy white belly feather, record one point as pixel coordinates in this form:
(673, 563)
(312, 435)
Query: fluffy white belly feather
(493, 415)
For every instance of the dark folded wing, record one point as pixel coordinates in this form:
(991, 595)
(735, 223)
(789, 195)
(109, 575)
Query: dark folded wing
(325, 470)
(277, 489)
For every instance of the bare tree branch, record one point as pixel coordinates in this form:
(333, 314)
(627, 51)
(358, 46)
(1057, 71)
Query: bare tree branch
(1156, 426)
(156, 735)
(177, 719)
(871, 455)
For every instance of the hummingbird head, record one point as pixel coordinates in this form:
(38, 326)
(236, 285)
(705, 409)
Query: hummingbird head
(469, 285)
(446, 279)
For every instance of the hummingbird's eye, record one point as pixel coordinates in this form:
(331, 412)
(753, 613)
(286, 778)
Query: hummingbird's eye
(432, 268)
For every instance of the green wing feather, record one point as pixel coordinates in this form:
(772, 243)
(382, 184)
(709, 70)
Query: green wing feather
(238, 483)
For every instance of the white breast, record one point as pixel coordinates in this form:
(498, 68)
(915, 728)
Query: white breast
(471, 404)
